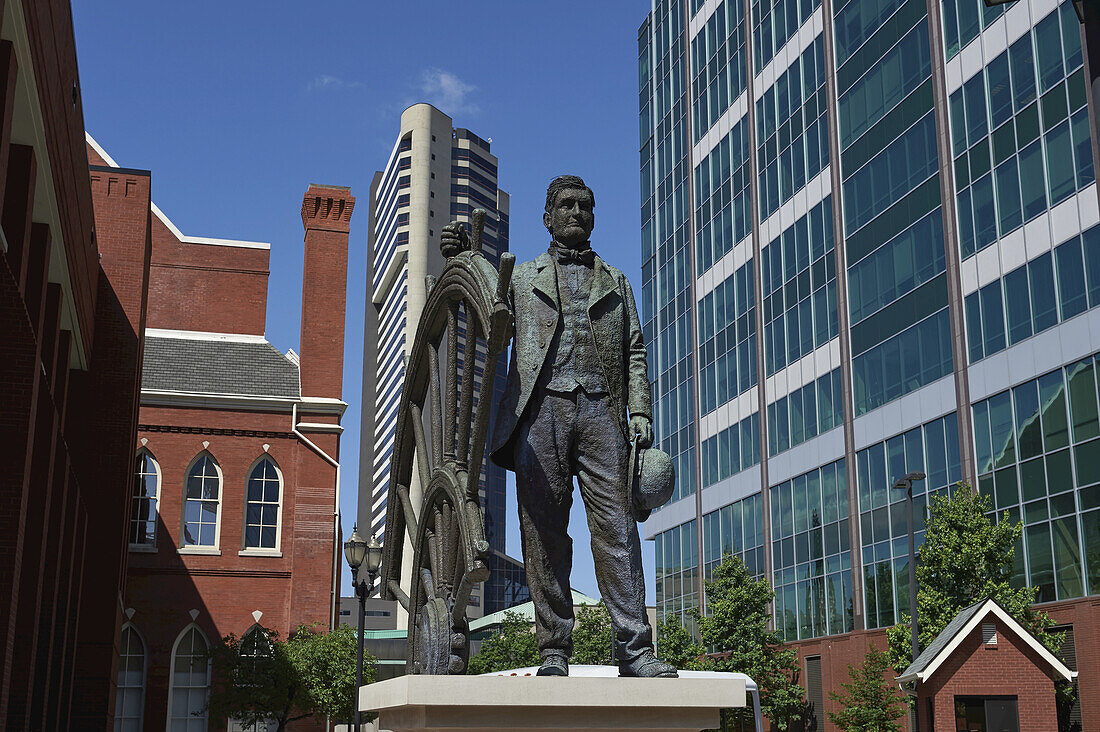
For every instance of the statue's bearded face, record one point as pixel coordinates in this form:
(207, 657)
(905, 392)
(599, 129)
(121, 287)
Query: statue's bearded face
(571, 220)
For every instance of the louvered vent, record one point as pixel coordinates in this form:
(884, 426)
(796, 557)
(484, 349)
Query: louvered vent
(989, 634)
(814, 694)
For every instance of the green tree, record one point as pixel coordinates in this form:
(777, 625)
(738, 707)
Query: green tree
(870, 703)
(592, 636)
(965, 558)
(676, 645)
(513, 646)
(736, 627)
(259, 678)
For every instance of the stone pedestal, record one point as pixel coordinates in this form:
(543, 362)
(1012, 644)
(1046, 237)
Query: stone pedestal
(496, 703)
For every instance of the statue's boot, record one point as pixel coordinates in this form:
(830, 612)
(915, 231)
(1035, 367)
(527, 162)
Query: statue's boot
(647, 666)
(554, 665)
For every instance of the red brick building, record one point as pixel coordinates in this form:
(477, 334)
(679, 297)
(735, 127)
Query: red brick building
(235, 464)
(72, 308)
(985, 671)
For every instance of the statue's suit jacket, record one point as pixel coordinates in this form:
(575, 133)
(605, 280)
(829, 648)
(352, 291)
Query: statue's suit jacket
(615, 327)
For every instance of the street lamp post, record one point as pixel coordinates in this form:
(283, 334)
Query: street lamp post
(366, 555)
(906, 484)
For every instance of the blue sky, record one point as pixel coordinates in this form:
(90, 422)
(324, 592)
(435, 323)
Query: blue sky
(237, 106)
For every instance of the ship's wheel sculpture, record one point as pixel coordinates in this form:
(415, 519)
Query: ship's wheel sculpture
(434, 511)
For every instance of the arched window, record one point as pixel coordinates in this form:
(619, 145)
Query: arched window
(143, 513)
(202, 504)
(130, 698)
(261, 513)
(190, 682)
(255, 647)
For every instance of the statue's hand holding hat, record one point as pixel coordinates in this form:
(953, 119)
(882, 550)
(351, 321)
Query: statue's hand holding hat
(652, 480)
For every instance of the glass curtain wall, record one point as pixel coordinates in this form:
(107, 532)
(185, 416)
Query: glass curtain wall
(667, 312)
(1020, 132)
(1037, 448)
(884, 532)
(900, 333)
(1019, 145)
(811, 554)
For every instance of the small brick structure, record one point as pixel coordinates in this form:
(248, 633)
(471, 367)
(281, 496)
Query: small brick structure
(985, 666)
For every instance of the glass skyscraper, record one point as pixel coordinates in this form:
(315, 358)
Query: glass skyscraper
(869, 246)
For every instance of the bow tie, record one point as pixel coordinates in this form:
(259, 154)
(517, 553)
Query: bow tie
(565, 255)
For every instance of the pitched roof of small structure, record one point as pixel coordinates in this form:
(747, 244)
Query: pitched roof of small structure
(940, 649)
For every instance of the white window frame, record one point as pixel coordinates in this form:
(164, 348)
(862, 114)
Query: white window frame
(144, 677)
(139, 547)
(202, 548)
(172, 676)
(277, 551)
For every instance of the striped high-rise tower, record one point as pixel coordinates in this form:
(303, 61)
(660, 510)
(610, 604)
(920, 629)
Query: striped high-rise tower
(435, 174)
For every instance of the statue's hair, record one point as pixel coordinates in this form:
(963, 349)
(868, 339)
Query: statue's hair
(563, 183)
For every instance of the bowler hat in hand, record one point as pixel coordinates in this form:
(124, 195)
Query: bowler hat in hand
(652, 479)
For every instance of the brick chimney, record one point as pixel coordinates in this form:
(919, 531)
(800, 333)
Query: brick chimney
(326, 215)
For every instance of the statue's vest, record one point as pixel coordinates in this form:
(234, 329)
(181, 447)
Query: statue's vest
(575, 361)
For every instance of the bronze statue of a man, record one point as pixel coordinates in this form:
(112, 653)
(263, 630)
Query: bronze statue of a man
(578, 368)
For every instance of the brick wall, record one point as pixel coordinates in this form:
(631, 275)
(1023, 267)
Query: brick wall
(206, 287)
(106, 418)
(170, 588)
(49, 28)
(836, 653)
(69, 360)
(1084, 616)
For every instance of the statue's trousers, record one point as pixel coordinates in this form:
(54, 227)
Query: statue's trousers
(562, 435)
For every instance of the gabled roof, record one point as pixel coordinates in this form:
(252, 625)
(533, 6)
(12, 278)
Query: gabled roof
(960, 627)
(217, 364)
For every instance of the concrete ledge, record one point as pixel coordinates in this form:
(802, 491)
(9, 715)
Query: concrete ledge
(541, 704)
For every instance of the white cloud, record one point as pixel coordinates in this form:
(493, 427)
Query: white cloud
(327, 82)
(447, 92)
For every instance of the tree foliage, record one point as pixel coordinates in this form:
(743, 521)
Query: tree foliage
(513, 646)
(965, 558)
(737, 626)
(870, 702)
(592, 636)
(259, 678)
(736, 630)
(676, 645)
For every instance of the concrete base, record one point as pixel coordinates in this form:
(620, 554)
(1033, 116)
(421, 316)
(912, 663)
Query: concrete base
(496, 703)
